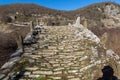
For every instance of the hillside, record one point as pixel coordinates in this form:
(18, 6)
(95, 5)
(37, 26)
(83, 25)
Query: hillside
(99, 20)
(27, 12)
(24, 8)
(94, 12)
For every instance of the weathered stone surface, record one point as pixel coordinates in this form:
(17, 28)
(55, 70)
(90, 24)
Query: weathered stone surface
(56, 78)
(45, 72)
(17, 53)
(15, 59)
(6, 78)
(37, 72)
(31, 68)
(34, 76)
(74, 79)
(58, 72)
(29, 39)
(8, 65)
(27, 73)
(5, 71)
(2, 76)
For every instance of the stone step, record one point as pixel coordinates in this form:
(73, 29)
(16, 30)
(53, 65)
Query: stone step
(42, 72)
(42, 42)
(35, 56)
(32, 68)
(56, 58)
(43, 46)
(49, 51)
(52, 47)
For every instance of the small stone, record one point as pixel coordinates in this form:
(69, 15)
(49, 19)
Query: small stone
(45, 72)
(36, 72)
(70, 64)
(11, 73)
(17, 53)
(35, 56)
(2, 76)
(8, 65)
(31, 61)
(5, 71)
(54, 78)
(70, 76)
(58, 72)
(6, 78)
(58, 69)
(74, 79)
(34, 76)
(73, 71)
(32, 68)
(27, 73)
(15, 59)
(56, 65)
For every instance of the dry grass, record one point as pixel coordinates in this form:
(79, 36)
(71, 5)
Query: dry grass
(7, 47)
(7, 42)
(113, 37)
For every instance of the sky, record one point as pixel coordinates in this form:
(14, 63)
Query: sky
(58, 4)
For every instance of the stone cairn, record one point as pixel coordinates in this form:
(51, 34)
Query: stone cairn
(63, 53)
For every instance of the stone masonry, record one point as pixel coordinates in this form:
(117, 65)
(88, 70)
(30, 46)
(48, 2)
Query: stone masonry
(59, 54)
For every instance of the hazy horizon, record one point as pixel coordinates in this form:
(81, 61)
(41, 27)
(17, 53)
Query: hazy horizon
(58, 4)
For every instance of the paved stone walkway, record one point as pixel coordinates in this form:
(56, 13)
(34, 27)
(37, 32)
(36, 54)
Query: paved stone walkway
(60, 55)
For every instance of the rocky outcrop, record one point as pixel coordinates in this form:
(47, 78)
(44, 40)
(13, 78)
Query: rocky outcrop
(83, 32)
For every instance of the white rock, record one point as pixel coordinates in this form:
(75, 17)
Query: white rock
(15, 59)
(8, 65)
(17, 53)
(2, 75)
(83, 32)
(77, 21)
(94, 51)
(112, 54)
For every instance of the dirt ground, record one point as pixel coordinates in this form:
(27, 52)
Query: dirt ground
(8, 43)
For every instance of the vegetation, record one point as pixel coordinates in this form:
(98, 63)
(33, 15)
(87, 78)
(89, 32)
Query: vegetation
(24, 12)
(40, 78)
(7, 46)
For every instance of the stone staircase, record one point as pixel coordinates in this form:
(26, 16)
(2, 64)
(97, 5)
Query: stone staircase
(60, 55)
